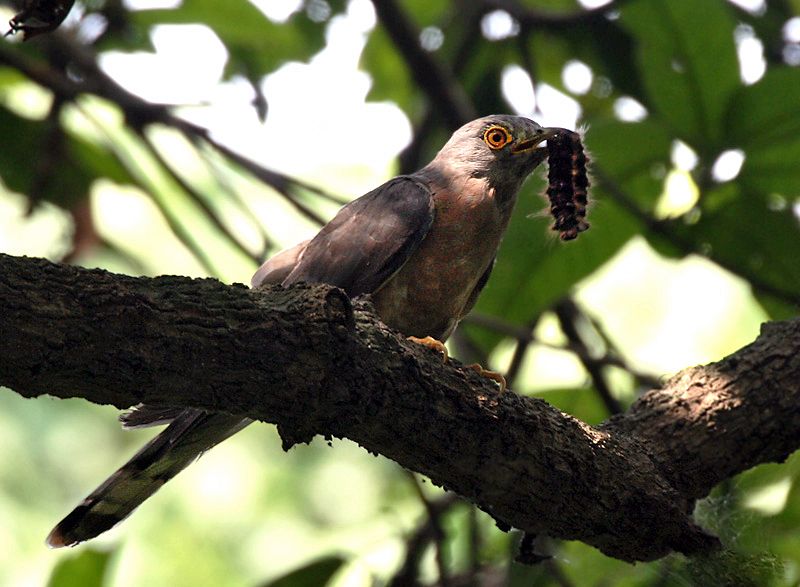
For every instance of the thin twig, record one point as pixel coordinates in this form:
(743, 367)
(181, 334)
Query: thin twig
(568, 315)
(429, 531)
(219, 173)
(139, 112)
(410, 158)
(436, 80)
(279, 182)
(198, 199)
(475, 542)
(523, 345)
(176, 227)
(437, 531)
(610, 359)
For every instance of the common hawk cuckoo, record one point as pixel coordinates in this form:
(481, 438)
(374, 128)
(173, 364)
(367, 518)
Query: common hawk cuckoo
(422, 245)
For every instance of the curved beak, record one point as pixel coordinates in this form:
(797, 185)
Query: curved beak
(531, 144)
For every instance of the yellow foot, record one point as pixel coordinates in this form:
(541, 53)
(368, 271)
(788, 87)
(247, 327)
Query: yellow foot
(431, 343)
(501, 381)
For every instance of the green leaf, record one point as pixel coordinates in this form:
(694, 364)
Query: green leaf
(688, 63)
(554, 6)
(609, 50)
(772, 169)
(98, 162)
(86, 569)
(520, 575)
(426, 12)
(763, 122)
(743, 231)
(36, 156)
(315, 574)
(728, 568)
(765, 114)
(256, 44)
(71, 166)
(390, 76)
(626, 150)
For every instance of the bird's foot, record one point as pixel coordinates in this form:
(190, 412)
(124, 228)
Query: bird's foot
(501, 381)
(432, 343)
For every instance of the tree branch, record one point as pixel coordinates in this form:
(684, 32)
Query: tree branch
(530, 17)
(314, 362)
(436, 80)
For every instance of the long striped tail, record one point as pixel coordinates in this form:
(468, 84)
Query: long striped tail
(188, 436)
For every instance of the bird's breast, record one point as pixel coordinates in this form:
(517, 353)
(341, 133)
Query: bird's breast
(428, 295)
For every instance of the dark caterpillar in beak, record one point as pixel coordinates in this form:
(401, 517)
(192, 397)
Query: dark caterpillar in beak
(568, 184)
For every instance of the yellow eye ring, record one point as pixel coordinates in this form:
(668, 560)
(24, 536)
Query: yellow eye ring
(497, 137)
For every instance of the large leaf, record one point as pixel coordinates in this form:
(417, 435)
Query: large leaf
(764, 122)
(315, 574)
(632, 154)
(256, 44)
(391, 79)
(555, 6)
(744, 232)
(38, 159)
(86, 569)
(767, 112)
(584, 403)
(67, 163)
(609, 50)
(687, 59)
(773, 168)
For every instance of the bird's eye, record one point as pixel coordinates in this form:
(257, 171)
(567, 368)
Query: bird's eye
(496, 137)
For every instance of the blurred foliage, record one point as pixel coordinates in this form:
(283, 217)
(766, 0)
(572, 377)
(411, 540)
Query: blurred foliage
(82, 570)
(315, 573)
(666, 276)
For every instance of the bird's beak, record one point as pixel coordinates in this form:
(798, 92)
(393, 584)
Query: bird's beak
(528, 145)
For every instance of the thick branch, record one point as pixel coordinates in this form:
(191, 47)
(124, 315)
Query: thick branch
(309, 360)
(711, 422)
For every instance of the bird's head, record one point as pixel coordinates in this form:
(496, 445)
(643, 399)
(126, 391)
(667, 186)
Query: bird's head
(502, 148)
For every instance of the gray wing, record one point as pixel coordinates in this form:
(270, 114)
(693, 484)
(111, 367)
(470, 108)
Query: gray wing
(370, 239)
(276, 268)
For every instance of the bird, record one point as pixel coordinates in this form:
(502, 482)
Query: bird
(421, 245)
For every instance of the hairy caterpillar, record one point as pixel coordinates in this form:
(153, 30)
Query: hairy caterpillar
(568, 184)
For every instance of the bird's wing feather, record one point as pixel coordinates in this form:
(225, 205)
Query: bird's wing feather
(370, 239)
(276, 268)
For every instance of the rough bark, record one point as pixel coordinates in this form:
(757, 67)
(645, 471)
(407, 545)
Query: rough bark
(313, 362)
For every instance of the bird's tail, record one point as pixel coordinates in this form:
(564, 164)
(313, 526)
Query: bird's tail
(188, 436)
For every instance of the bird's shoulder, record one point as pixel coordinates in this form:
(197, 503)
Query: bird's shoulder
(370, 238)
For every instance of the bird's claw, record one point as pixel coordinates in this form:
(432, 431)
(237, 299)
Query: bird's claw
(494, 375)
(432, 343)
